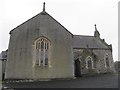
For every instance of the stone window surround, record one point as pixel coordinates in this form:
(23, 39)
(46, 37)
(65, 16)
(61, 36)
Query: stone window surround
(92, 62)
(45, 48)
(105, 62)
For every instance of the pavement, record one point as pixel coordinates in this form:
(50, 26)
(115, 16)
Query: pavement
(100, 81)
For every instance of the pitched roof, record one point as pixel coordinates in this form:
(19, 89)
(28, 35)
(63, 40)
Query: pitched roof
(42, 14)
(80, 41)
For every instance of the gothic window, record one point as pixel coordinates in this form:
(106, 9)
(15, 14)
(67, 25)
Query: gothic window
(42, 51)
(107, 61)
(89, 63)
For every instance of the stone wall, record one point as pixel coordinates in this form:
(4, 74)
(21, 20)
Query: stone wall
(98, 56)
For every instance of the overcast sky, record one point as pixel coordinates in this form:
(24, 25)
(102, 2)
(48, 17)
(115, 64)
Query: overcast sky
(78, 16)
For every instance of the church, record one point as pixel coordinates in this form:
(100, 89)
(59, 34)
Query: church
(42, 48)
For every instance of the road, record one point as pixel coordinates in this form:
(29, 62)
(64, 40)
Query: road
(101, 81)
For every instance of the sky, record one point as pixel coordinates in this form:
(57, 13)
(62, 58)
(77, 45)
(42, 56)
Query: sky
(78, 16)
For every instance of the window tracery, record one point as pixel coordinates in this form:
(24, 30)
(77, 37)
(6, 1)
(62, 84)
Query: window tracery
(41, 51)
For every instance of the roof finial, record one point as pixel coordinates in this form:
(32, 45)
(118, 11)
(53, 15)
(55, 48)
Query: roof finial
(95, 27)
(44, 6)
(96, 33)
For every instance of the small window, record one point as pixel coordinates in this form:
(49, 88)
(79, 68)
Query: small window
(89, 63)
(107, 61)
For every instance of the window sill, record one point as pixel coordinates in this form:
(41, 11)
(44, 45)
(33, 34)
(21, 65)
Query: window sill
(37, 66)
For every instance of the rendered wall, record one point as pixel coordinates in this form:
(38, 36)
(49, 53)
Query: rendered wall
(21, 50)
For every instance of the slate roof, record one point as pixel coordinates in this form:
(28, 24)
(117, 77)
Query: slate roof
(80, 41)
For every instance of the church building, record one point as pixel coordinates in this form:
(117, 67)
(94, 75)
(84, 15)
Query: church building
(42, 48)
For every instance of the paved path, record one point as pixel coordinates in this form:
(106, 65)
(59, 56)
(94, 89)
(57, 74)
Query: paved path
(102, 81)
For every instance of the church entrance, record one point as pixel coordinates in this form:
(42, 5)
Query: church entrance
(77, 68)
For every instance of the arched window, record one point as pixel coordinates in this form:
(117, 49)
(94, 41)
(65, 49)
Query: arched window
(106, 61)
(41, 51)
(89, 63)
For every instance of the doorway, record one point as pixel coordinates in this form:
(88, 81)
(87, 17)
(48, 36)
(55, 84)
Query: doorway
(77, 68)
